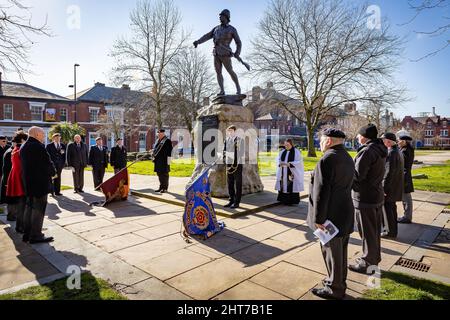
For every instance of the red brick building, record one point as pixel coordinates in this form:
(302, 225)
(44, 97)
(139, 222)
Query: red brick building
(24, 106)
(430, 129)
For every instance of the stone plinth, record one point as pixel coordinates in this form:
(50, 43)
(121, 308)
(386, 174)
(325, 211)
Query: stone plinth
(242, 118)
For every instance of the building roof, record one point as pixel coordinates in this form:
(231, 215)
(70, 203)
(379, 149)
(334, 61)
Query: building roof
(23, 90)
(109, 95)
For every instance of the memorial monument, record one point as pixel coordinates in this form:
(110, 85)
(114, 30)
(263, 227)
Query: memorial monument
(226, 110)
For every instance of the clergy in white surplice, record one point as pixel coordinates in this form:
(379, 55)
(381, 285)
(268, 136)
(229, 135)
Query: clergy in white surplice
(290, 172)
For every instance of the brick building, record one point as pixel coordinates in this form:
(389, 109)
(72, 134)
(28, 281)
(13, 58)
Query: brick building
(429, 129)
(24, 106)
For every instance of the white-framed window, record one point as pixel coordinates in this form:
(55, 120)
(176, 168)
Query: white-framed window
(142, 141)
(115, 113)
(407, 126)
(429, 133)
(444, 123)
(93, 114)
(37, 111)
(92, 137)
(428, 142)
(63, 114)
(8, 112)
(444, 133)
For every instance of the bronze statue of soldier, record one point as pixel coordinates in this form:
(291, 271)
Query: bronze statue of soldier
(222, 36)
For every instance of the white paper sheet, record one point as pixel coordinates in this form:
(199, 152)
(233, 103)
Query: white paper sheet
(330, 233)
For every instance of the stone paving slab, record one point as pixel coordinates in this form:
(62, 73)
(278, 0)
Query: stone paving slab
(249, 290)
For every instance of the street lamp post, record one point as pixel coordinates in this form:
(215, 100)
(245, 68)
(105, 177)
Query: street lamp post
(74, 86)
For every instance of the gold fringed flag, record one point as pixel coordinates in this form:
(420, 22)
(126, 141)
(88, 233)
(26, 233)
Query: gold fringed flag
(117, 187)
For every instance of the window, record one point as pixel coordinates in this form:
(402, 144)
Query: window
(444, 133)
(92, 137)
(36, 113)
(444, 123)
(429, 133)
(407, 126)
(8, 112)
(142, 141)
(63, 115)
(93, 115)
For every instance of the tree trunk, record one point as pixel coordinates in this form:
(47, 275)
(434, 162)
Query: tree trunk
(158, 114)
(311, 148)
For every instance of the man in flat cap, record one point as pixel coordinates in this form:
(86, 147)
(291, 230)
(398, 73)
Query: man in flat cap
(118, 157)
(404, 142)
(330, 199)
(57, 152)
(222, 36)
(368, 196)
(98, 159)
(392, 184)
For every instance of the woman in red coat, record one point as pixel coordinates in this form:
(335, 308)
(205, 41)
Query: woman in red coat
(15, 192)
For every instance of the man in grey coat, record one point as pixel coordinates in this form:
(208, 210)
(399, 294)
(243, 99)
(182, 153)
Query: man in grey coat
(368, 196)
(330, 199)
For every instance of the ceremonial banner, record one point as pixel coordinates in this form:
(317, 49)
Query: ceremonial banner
(117, 187)
(199, 217)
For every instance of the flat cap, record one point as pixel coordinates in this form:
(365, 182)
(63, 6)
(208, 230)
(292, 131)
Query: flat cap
(389, 136)
(56, 135)
(334, 133)
(370, 131)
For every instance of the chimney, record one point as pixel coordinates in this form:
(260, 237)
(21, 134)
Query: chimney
(206, 101)
(125, 87)
(256, 94)
(434, 112)
(99, 84)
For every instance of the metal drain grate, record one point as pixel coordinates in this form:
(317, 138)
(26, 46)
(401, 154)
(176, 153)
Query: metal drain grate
(446, 210)
(412, 264)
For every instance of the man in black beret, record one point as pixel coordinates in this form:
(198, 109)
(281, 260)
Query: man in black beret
(330, 199)
(392, 184)
(404, 142)
(118, 158)
(162, 154)
(368, 195)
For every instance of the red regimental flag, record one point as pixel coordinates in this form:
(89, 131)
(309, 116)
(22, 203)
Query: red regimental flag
(117, 187)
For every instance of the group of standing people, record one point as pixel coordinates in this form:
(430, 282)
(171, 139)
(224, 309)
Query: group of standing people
(364, 190)
(31, 171)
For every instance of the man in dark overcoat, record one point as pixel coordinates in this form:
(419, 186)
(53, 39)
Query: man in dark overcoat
(77, 159)
(330, 199)
(57, 152)
(118, 157)
(404, 141)
(162, 152)
(392, 184)
(98, 159)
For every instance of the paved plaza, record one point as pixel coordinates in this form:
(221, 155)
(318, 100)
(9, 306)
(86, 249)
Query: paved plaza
(137, 247)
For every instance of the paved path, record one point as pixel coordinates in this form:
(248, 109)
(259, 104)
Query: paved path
(136, 246)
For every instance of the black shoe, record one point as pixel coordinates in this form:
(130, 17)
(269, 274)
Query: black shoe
(234, 206)
(359, 268)
(80, 191)
(229, 204)
(25, 239)
(43, 240)
(324, 294)
(404, 220)
(159, 190)
(163, 191)
(388, 236)
(58, 194)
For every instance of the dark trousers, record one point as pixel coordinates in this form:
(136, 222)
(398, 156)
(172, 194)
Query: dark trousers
(390, 218)
(78, 178)
(335, 256)
(234, 182)
(369, 222)
(98, 173)
(116, 170)
(57, 181)
(18, 210)
(163, 180)
(34, 217)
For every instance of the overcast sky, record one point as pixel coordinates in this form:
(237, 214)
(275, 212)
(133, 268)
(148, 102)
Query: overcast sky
(102, 21)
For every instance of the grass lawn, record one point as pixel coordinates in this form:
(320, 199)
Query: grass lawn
(398, 286)
(438, 178)
(185, 167)
(66, 188)
(91, 289)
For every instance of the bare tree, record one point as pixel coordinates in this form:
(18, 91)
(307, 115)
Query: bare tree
(16, 31)
(189, 81)
(443, 30)
(324, 53)
(155, 42)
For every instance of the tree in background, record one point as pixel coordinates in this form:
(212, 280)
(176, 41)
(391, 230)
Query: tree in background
(323, 53)
(16, 31)
(144, 58)
(67, 131)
